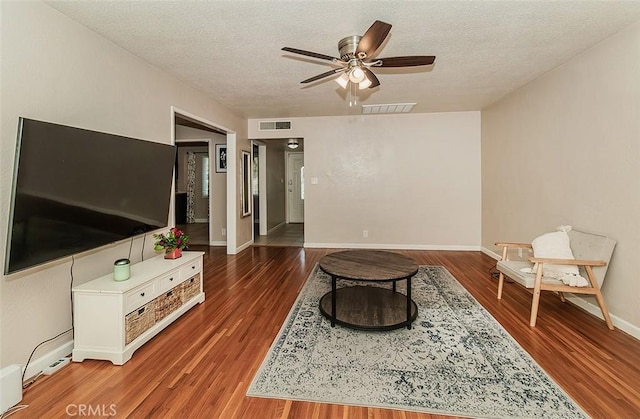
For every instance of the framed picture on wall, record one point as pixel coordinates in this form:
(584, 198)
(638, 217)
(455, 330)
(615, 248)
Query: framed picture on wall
(221, 158)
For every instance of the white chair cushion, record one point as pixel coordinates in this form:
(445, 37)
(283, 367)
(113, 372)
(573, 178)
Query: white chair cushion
(556, 245)
(514, 270)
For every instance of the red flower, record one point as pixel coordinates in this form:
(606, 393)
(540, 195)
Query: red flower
(174, 239)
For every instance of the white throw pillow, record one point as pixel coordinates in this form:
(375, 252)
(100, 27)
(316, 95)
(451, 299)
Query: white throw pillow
(554, 245)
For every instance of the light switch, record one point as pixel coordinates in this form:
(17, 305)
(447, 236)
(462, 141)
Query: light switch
(314, 180)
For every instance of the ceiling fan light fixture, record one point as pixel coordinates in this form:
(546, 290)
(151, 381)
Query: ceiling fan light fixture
(343, 80)
(364, 84)
(356, 60)
(293, 143)
(356, 75)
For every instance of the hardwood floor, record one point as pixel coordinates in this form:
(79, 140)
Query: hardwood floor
(291, 234)
(201, 365)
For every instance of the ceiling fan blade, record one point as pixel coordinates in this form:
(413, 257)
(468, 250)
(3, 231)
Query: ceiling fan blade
(372, 78)
(410, 61)
(372, 39)
(310, 54)
(323, 75)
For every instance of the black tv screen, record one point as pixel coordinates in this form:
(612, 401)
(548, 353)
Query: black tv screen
(76, 190)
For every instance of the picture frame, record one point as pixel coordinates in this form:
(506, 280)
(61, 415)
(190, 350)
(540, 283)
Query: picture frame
(221, 158)
(246, 197)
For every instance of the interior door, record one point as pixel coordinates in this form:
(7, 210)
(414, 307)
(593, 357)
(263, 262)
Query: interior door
(295, 187)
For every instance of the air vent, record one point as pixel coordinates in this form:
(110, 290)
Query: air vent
(388, 108)
(275, 125)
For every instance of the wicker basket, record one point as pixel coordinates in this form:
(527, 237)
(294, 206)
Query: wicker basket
(190, 288)
(139, 321)
(168, 302)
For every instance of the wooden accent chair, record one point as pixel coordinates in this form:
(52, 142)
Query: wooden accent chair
(592, 254)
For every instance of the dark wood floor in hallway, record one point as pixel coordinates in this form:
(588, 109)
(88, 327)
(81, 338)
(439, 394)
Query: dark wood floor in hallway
(202, 364)
(290, 234)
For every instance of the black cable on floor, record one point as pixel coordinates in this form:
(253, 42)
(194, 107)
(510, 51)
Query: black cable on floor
(495, 274)
(73, 261)
(34, 351)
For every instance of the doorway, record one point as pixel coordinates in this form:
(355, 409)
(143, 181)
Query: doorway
(213, 224)
(255, 188)
(279, 169)
(295, 187)
(192, 180)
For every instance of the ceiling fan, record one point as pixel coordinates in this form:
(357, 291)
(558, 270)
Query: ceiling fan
(356, 58)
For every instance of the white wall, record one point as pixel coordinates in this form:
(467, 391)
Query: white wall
(54, 69)
(565, 149)
(412, 181)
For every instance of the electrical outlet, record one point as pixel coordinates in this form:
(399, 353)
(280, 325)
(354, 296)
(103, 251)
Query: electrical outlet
(520, 251)
(224, 231)
(365, 233)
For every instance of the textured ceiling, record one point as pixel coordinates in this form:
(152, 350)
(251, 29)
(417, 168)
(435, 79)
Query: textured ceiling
(232, 49)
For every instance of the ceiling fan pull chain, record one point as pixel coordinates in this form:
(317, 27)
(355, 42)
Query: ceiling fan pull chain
(353, 94)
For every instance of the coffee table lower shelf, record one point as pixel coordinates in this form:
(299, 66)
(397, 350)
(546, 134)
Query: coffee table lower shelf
(369, 308)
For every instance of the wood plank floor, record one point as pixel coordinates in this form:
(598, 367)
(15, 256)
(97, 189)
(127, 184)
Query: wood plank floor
(201, 365)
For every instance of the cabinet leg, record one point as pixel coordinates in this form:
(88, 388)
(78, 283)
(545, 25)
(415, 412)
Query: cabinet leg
(333, 301)
(409, 303)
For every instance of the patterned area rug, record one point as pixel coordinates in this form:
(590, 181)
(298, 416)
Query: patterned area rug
(456, 359)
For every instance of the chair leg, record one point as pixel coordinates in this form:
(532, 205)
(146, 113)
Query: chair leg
(536, 297)
(500, 284)
(599, 298)
(605, 311)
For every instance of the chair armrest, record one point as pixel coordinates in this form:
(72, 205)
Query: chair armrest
(568, 261)
(510, 244)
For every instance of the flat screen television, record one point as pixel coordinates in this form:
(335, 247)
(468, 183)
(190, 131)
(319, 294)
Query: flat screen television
(76, 190)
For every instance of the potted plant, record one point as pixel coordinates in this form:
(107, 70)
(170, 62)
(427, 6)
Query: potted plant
(172, 243)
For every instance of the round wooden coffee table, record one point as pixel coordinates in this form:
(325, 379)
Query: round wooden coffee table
(369, 307)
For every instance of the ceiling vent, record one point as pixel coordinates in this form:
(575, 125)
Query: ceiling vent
(388, 108)
(275, 125)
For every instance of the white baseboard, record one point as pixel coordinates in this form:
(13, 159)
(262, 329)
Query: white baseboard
(244, 246)
(36, 366)
(218, 243)
(594, 309)
(591, 308)
(490, 253)
(392, 246)
(201, 220)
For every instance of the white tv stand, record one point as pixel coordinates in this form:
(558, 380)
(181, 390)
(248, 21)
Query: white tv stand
(113, 319)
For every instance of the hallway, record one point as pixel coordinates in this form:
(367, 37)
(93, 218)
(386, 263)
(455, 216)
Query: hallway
(288, 235)
(198, 232)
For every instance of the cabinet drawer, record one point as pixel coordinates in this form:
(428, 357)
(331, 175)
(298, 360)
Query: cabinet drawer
(190, 288)
(168, 302)
(191, 269)
(139, 321)
(139, 297)
(169, 281)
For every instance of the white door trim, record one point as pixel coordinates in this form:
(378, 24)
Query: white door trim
(232, 228)
(289, 176)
